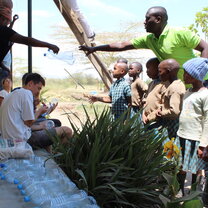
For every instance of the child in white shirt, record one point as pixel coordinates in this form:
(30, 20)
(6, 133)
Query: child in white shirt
(193, 120)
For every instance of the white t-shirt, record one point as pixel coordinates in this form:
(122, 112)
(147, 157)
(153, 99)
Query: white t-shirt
(17, 108)
(4, 93)
(193, 120)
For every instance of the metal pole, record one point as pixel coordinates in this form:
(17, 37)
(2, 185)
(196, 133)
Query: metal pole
(29, 35)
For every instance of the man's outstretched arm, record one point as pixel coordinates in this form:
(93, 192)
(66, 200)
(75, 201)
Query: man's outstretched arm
(17, 38)
(120, 46)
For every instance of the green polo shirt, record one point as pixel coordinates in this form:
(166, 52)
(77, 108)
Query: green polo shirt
(175, 43)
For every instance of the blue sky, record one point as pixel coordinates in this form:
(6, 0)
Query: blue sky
(103, 15)
(106, 15)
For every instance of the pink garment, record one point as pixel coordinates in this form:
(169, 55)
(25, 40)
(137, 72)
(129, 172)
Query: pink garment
(6, 9)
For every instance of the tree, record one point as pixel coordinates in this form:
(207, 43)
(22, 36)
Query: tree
(128, 31)
(201, 22)
(19, 69)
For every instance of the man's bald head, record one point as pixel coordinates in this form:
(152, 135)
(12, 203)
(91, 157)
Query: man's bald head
(159, 11)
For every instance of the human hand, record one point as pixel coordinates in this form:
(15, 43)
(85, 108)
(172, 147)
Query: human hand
(87, 49)
(54, 48)
(43, 125)
(52, 107)
(205, 154)
(144, 118)
(158, 112)
(43, 109)
(91, 98)
(200, 152)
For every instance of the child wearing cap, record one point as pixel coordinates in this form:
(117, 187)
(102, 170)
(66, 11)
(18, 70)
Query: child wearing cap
(193, 120)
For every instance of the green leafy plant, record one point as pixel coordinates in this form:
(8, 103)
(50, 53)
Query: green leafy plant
(169, 198)
(119, 163)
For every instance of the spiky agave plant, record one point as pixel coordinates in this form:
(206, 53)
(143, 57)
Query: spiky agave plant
(117, 162)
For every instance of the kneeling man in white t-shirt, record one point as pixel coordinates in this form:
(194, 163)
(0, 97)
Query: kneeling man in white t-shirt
(17, 116)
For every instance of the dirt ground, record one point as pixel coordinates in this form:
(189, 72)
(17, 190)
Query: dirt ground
(74, 110)
(62, 109)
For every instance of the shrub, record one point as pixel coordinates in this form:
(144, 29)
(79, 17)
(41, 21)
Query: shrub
(118, 164)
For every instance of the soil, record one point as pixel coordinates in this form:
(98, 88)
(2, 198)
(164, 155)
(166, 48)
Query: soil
(62, 109)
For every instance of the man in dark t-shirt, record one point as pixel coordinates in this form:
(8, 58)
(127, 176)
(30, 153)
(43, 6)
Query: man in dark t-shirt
(5, 44)
(9, 36)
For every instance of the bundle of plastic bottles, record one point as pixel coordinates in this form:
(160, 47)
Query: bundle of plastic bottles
(45, 187)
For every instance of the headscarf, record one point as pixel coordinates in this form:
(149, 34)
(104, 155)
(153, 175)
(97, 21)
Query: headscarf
(6, 9)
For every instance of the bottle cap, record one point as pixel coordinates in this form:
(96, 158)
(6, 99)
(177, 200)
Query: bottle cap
(20, 186)
(23, 192)
(16, 181)
(2, 165)
(26, 198)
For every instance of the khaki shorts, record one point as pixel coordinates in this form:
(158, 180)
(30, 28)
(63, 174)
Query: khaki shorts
(42, 138)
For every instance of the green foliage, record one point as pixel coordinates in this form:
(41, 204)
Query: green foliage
(195, 203)
(118, 164)
(190, 201)
(169, 198)
(201, 21)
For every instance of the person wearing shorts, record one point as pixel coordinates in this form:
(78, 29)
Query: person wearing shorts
(17, 116)
(42, 138)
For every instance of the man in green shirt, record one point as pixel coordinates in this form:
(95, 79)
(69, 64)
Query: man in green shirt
(164, 41)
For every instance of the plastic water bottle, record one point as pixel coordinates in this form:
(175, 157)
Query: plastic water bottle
(93, 93)
(66, 56)
(37, 197)
(54, 101)
(42, 187)
(66, 200)
(50, 124)
(2, 165)
(51, 105)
